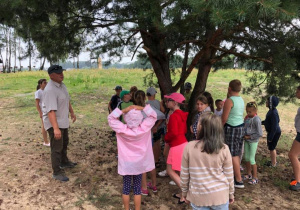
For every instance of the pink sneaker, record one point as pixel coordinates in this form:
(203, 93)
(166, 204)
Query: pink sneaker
(153, 188)
(144, 192)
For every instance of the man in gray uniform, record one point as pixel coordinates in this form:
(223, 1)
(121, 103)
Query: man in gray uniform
(56, 108)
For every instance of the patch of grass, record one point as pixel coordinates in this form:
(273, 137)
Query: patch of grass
(6, 139)
(247, 199)
(285, 141)
(282, 184)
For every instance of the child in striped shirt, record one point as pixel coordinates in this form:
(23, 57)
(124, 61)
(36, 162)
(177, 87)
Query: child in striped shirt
(206, 167)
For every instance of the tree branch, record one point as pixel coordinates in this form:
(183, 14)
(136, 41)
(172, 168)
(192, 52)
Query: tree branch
(136, 50)
(182, 43)
(166, 4)
(242, 54)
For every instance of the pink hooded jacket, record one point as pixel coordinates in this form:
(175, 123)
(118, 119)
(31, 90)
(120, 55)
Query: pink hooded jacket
(135, 155)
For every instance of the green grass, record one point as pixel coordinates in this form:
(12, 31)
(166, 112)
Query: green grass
(91, 90)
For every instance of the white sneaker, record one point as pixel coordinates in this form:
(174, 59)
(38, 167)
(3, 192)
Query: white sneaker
(47, 145)
(163, 173)
(172, 183)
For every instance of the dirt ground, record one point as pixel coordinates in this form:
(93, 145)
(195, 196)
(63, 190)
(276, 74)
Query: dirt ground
(26, 177)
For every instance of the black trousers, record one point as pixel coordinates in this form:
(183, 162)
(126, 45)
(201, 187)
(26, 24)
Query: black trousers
(59, 150)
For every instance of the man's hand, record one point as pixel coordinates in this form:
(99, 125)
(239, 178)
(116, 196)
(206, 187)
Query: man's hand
(57, 134)
(73, 117)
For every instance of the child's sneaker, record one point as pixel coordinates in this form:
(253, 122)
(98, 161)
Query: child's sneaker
(172, 183)
(144, 192)
(269, 164)
(238, 184)
(153, 188)
(163, 173)
(295, 186)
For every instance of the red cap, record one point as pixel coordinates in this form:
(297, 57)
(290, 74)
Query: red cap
(179, 98)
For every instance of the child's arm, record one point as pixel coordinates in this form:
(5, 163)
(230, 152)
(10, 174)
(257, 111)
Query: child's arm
(226, 110)
(258, 127)
(150, 120)
(109, 107)
(273, 122)
(228, 172)
(114, 122)
(37, 104)
(185, 173)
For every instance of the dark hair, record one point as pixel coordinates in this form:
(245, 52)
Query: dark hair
(39, 83)
(211, 133)
(235, 85)
(217, 101)
(139, 98)
(133, 90)
(210, 100)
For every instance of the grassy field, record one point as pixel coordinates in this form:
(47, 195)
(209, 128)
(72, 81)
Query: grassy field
(95, 182)
(91, 90)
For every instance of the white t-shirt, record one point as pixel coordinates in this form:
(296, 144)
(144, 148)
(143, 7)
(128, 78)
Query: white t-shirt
(219, 113)
(39, 95)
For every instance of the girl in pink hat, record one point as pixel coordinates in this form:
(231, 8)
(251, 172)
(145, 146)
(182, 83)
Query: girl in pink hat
(135, 154)
(175, 137)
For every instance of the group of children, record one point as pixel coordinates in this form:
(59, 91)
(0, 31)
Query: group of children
(206, 169)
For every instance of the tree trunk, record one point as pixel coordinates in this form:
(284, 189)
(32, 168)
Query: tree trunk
(78, 62)
(199, 88)
(20, 50)
(43, 64)
(9, 51)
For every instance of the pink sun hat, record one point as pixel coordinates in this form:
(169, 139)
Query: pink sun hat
(179, 98)
(133, 118)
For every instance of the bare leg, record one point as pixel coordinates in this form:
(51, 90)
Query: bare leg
(137, 202)
(144, 181)
(293, 155)
(175, 177)
(273, 157)
(153, 177)
(236, 168)
(248, 168)
(126, 199)
(156, 151)
(254, 170)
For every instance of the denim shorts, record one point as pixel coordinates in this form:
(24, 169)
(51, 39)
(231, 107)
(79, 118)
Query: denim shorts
(218, 207)
(298, 137)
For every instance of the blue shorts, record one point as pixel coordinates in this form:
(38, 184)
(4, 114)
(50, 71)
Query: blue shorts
(298, 137)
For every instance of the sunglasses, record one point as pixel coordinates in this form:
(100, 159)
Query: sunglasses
(169, 99)
(251, 104)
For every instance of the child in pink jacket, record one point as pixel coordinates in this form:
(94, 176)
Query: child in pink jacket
(135, 155)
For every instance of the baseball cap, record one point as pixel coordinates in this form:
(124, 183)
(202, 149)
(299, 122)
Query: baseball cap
(179, 98)
(118, 87)
(55, 69)
(187, 85)
(124, 92)
(152, 91)
(133, 118)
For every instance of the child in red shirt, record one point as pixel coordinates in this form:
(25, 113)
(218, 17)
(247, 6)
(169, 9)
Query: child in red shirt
(175, 137)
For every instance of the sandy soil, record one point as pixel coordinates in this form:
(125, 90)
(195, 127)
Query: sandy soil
(26, 177)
